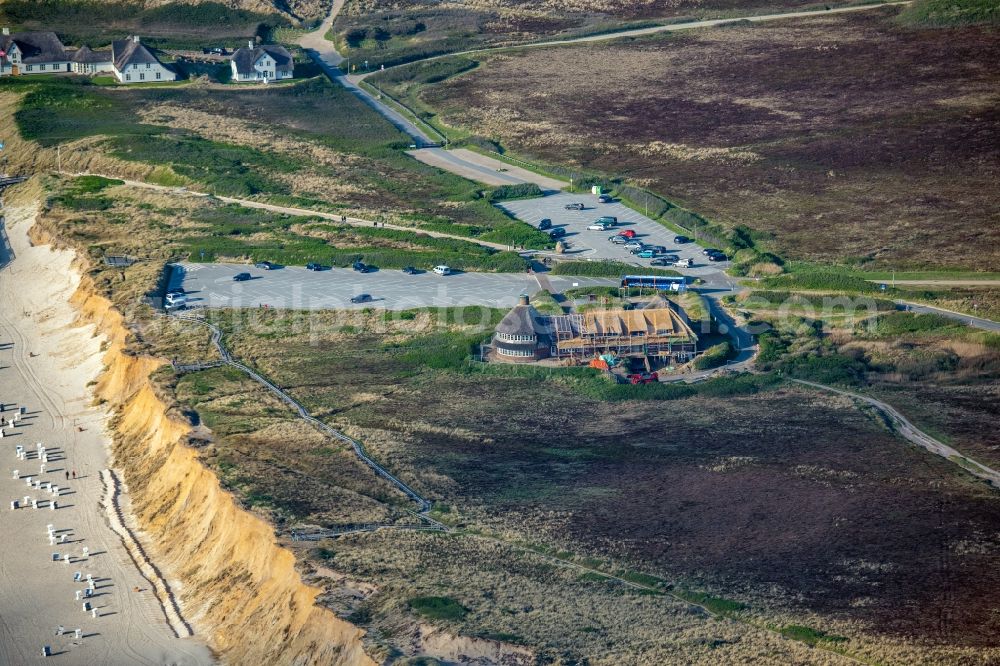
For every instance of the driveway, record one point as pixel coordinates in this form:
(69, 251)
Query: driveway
(212, 285)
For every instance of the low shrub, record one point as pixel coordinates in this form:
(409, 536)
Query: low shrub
(714, 356)
(511, 192)
(438, 608)
(611, 269)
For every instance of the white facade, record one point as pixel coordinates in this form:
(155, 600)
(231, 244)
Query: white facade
(261, 63)
(13, 64)
(93, 67)
(144, 73)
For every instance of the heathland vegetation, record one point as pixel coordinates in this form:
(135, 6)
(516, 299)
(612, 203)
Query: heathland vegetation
(832, 161)
(385, 32)
(177, 25)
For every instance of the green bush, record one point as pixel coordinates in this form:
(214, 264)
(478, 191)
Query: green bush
(820, 280)
(611, 269)
(519, 191)
(519, 234)
(809, 635)
(716, 605)
(714, 356)
(438, 608)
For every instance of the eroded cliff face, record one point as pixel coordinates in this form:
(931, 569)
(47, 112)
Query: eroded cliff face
(236, 585)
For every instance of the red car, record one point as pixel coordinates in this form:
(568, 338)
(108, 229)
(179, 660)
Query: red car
(644, 378)
(627, 233)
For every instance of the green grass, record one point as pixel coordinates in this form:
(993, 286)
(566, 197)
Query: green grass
(821, 303)
(714, 356)
(438, 608)
(716, 605)
(58, 110)
(609, 269)
(950, 13)
(820, 279)
(545, 304)
(519, 191)
(224, 168)
(896, 324)
(519, 234)
(809, 635)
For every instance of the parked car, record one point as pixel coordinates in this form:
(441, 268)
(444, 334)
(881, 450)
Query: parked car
(618, 240)
(361, 298)
(575, 206)
(241, 277)
(627, 233)
(645, 253)
(680, 240)
(313, 266)
(265, 265)
(635, 245)
(442, 270)
(175, 300)
(605, 198)
(717, 256)
(665, 260)
(659, 249)
(683, 263)
(360, 267)
(544, 224)
(608, 219)
(643, 378)
(410, 270)
(710, 250)
(558, 232)
(599, 226)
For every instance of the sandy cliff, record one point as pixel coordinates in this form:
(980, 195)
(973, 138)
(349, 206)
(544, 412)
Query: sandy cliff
(236, 585)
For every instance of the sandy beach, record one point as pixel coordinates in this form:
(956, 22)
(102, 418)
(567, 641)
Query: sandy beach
(47, 365)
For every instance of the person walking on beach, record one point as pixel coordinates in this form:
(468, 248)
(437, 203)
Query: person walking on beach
(74, 473)
(67, 476)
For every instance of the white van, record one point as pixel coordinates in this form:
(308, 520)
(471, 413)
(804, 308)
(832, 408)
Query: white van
(683, 263)
(442, 270)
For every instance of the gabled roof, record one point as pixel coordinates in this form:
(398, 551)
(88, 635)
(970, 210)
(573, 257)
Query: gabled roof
(36, 47)
(84, 54)
(245, 58)
(623, 323)
(130, 51)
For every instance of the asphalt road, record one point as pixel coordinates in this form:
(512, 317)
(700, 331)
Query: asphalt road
(594, 245)
(977, 322)
(483, 169)
(212, 285)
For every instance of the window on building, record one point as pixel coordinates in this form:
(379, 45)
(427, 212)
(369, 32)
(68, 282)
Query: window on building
(41, 67)
(128, 77)
(157, 75)
(516, 352)
(142, 77)
(28, 68)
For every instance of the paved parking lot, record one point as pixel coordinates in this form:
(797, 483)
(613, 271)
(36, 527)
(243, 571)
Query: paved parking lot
(212, 285)
(586, 244)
